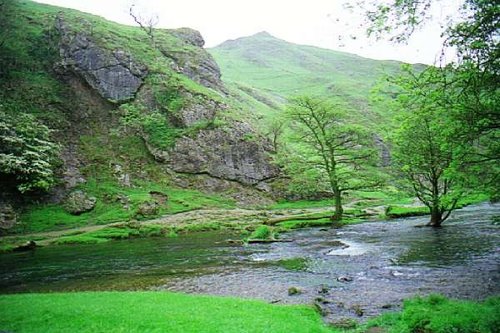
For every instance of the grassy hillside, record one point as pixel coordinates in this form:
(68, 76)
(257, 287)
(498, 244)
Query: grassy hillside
(89, 129)
(264, 71)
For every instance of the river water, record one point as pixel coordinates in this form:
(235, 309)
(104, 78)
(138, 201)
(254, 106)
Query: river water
(355, 271)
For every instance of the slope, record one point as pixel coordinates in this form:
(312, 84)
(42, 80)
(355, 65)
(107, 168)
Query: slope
(264, 70)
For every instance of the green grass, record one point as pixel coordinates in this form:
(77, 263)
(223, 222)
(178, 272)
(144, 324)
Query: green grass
(151, 312)
(298, 224)
(301, 204)
(46, 217)
(293, 264)
(437, 314)
(402, 211)
(264, 71)
(262, 232)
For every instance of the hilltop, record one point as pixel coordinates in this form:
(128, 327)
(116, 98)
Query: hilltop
(264, 71)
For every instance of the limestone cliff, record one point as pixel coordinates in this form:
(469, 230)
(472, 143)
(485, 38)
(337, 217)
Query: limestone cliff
(165, 86)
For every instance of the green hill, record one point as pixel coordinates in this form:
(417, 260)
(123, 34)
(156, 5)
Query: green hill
(264, 70)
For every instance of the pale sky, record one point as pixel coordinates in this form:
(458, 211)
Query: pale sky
(322, 23)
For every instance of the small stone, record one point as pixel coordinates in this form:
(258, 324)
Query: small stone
(344, 278)
(344, 323)
(320, 309)
(294, 291)
(358, 310)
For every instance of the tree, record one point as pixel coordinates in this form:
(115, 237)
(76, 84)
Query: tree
(27, 155)
(329, 149)
(427, 151)
(468, 86)
(146, 23)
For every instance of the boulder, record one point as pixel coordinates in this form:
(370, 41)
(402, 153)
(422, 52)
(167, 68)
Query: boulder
(79, 202)
(148, 208)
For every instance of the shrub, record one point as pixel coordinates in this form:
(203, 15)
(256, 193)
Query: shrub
(28, 157)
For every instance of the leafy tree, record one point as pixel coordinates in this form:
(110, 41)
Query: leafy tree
(437, 162)
(27, 155)
(469, 86)
(328, 150)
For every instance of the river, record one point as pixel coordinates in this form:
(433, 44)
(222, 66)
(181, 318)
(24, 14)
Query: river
(356, 271)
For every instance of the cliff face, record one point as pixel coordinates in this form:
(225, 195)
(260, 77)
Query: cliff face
(232, 151)
(130, 111)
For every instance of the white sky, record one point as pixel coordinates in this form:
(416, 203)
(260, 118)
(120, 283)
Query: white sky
(311, 22)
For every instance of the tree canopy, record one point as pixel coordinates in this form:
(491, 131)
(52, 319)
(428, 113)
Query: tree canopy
(328, 150)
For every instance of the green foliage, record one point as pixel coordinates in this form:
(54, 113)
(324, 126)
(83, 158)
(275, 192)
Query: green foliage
(45, 217)
(437, 314)
(28, 156)
(329, 149)
(264, 72)
(465, 90)
(153, 125)
(155, 312)
(262, 232)
(405, 211)
(426, 150)
(294, 264)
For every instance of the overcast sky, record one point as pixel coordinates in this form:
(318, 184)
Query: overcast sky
(322, 23)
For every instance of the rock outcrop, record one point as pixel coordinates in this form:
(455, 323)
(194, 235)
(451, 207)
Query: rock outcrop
(115, 75)
(193, 61)
(233, 153)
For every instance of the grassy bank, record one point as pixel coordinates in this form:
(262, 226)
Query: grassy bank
(150, 312)
(172, 312)
(437, 314)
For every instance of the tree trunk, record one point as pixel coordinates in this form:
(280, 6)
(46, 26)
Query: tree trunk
(436, 218)
(339, 211)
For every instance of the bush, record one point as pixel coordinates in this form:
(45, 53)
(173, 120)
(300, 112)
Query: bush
(262, 232)
(27, 155)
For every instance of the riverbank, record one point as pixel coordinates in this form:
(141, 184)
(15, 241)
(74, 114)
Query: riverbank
(280, 218)
(172, 312)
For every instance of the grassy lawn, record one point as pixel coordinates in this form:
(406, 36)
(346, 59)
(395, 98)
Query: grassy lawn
(171, 312)
(150, 312)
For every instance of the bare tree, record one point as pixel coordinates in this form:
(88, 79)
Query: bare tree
(146, 23)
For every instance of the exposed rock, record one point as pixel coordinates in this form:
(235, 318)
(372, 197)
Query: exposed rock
(28, 246)
(122, 177)
(344, 278)
(193, 61)
(244, 196)
(148, 208)
(115, 75)
(78, 202)
(198, 109)
(224, 153)
(294, 291)
(385, 153)
(189, 35)
(8, 217)
(159, 197)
